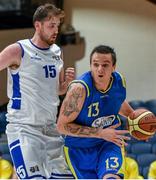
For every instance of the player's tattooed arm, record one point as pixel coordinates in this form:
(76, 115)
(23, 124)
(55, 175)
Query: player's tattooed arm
(70, 109)
(71, 104)
(80, 130)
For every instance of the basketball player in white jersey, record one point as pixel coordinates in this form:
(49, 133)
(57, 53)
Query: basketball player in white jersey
(35, 79)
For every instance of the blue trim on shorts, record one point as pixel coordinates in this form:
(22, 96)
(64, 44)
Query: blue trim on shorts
(61, 176)
(14, 143)
(30, 177)
(17, 157)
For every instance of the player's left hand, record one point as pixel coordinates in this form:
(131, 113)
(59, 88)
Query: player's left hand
(69, 74)
(115, 136)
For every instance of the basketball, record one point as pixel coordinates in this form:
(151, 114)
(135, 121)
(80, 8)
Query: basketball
(142, 124)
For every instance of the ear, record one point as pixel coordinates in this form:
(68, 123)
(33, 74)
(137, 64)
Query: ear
(37, 25)
(114, 67)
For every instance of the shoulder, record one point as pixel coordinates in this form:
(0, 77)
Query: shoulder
(24, 41)
(86, 78)
(85, 81)
(56, 49)
(119, 78)
(76, 89)
(13, 49)
(76, 85)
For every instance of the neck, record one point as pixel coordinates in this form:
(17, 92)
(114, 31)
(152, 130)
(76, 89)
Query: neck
(103, 86)
(38, 42)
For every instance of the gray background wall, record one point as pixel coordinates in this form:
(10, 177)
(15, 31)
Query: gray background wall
(127, 25)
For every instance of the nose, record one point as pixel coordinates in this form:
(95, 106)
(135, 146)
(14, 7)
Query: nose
(100, 69)
(56, 30)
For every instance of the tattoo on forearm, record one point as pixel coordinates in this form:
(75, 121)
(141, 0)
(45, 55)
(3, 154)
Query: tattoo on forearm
(71, 104)
(71, 129)
(80, 130)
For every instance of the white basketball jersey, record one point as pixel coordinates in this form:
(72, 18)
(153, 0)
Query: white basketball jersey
(33, 87)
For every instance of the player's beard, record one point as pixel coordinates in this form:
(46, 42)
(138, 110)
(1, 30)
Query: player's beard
(49, 41)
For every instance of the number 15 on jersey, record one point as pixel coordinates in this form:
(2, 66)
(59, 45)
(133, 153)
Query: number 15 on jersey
(50, 71)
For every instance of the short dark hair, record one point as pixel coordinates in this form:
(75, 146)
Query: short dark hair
(103, 49)
(46, 11)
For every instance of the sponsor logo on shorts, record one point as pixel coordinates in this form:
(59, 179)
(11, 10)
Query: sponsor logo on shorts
(34, 169)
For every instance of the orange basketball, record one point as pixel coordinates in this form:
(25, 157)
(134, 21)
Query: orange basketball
(142, 124)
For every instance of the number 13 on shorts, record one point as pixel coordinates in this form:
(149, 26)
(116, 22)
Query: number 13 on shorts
(112, 163)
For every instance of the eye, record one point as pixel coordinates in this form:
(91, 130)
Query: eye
(96, 64)
(52, 25)
(105, 65)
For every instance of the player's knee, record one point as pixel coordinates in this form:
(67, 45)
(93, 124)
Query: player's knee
(111, 176)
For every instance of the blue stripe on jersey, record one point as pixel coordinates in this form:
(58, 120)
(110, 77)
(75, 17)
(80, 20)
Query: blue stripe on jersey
(16, 97)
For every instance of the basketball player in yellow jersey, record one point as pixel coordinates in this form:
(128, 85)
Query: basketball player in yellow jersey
(35, 76)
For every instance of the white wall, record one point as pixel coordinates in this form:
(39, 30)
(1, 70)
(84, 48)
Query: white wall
(127, 25)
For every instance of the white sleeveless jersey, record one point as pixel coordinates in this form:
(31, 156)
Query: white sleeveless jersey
(33, 87)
